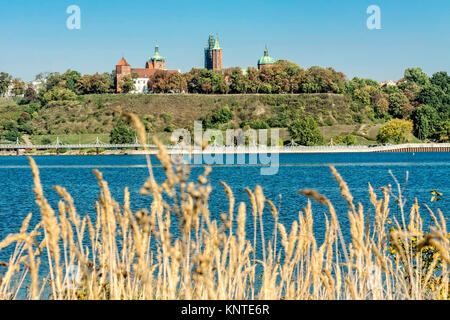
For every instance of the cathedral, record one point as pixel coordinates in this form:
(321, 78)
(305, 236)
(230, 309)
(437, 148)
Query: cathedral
(213, 61)
(154, 63)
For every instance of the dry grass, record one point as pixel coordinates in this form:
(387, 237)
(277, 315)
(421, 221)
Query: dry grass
(133, 255)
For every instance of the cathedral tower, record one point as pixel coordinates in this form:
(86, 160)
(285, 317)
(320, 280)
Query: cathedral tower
(213, 54)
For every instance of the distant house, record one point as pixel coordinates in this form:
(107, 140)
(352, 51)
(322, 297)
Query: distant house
(154, 63)
(37, 84)
(389, 83)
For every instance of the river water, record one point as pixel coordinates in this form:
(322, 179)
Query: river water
(427, 171)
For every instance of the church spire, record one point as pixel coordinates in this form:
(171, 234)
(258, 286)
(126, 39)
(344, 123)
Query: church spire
(216, 44)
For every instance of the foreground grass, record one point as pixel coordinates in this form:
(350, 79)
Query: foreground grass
(133, 255)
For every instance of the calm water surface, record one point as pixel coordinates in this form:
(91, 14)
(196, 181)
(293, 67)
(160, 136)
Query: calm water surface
(427, 171)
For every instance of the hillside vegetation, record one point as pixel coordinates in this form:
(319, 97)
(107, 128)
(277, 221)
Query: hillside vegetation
(91, 115)
(304, 103)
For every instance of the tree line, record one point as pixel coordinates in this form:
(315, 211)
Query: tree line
(416, 99)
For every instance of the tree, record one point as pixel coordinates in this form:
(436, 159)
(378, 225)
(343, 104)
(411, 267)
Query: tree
(5, 81)
(71, 78)
(30, 94)
(176, 82)
(223, 115)
(442, 131)
(425, 119)
(18, 87)
(442, 80)
(306, 131)
(320, 80)
(58, 94)
(158, 82)
(239, 83)
(417, 75)
(380, 103)
(346, 140)
(399, 105)
(127, 84)
(94, 84)
(432, 95)
(396, 131)
(121, 134)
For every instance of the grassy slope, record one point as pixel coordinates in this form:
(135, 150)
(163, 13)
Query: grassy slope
(95, 115)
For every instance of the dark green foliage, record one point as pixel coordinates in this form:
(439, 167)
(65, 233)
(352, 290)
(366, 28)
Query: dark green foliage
(399, 105)
(121, 134)
(416, 75)
(306, 132)
(431, 95)
(223, 115)
(425, 121)
(46, 141)
(256, 124)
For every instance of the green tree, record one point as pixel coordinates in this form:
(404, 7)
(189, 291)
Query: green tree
(399, 105)
(306, 132)
(442, 80)
(442, 131)
(417, 75)
(239, 83)
(320, 80)
(127, 84)
(122, 134)
(5, 81)
(58, 94)
(94, 84)
(396, 131)
(425, 119)
(431, 95)
(18, 87)
(71, 78)
(223, 115)
(347, 140)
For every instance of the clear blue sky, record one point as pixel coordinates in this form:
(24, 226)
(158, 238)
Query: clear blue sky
(327, 33)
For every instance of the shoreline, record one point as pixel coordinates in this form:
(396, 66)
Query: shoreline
(408, 148)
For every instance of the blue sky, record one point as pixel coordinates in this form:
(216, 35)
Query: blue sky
(327, 33)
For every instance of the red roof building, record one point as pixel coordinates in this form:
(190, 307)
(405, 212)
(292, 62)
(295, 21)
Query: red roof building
(154, 63)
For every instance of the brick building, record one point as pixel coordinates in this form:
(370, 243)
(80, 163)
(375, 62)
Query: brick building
(154, 63)
(213, 54)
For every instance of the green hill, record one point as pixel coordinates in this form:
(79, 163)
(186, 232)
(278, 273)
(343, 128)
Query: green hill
(96, 115)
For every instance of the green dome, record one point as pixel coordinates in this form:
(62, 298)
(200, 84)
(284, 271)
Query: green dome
(157, 56)
(266, 59)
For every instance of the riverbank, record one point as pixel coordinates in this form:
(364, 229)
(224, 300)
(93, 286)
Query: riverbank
(411, 147)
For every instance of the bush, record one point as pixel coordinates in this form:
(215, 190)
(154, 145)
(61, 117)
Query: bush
(46, 141)
(166, 117)
(396, 131)
(170, 128)
(222, 116)
(122, 135)
(347, 140)
(306, 131)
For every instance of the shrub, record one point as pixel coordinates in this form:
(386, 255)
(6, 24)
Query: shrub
(346, 140)
(306, 132)
(396, 131)
(121, 134)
